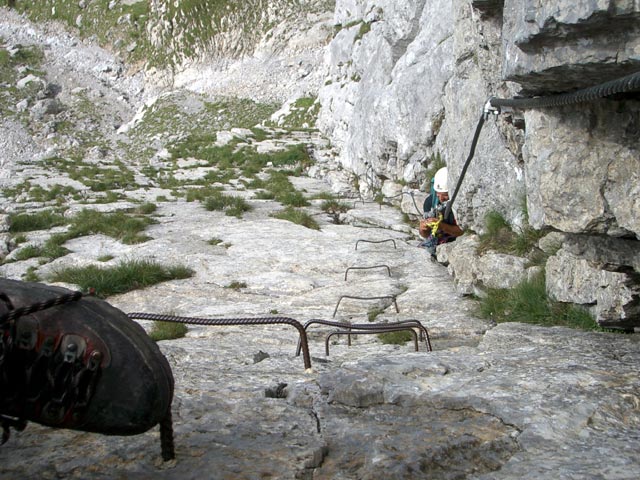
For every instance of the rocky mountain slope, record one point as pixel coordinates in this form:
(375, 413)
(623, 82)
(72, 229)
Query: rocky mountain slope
(82, 131)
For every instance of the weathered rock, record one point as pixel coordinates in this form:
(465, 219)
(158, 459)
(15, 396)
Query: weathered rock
(613, 295)
(487, 404)
(556, 46)
(575, 147)
(473, 272)
(394, 116)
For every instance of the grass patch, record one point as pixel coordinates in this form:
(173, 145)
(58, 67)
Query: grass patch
(31, 275)
(18, 239)
(146, 208)
(236, 285)
(28, 222)
(297, 216)
(214, 241)
(365, 27)
(500, 237)
(56, 192)
(122, 25)
(528, 303)
(373, 313)
(124, 277)
(119, 225)
(278, 187)
(167, 331)
(395, 338)
(27, 252)
(231, 205)
(334, 209)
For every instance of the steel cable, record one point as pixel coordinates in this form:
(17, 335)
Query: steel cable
(629, 83)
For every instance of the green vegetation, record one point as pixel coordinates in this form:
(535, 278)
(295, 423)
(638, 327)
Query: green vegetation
(434, 163)
(395, 338)
(232, 161)
(231, 205)
(119, 225)
(15, 65)
(365, 27)
(528, 303)
(167, 331)
(214, 241)
(28, 222)
(499, 236)
(373, 313)
(18, 239)
(120, 25)
(334, 208)
(124, 277)
(26, 252)
(31, 275)
(295, 215)
(146, 208)
(303, 114)
(278, 187)
(56, 192)
(109, 177)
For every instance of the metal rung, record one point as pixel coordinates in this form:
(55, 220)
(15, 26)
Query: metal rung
(392, 297)
(366, 268)
(351, 327)
(302, 341)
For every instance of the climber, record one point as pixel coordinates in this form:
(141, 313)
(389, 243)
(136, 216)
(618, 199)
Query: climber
(435, 229)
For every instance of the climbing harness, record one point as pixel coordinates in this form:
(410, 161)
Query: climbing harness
(628, 83)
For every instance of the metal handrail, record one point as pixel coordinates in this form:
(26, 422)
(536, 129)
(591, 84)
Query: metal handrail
(234, 321)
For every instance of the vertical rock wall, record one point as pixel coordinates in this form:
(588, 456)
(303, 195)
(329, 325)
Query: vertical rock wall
(406, 84)
(411, 89)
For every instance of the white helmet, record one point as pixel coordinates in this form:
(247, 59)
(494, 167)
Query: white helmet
(440, 180)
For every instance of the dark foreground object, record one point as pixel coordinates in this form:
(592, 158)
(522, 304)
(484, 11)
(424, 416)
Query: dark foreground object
(68, 361)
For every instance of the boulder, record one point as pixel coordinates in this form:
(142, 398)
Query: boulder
(601, 274)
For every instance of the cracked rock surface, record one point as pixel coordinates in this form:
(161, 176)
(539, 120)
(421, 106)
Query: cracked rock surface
(490, 402)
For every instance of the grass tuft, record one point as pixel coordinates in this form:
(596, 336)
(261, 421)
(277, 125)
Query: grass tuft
(231, 205)
(528, 303)
(124, 277)
(395, 338)
(499, 236)
(28, 222)
(236, 285)
(297, 216)
(167, 331)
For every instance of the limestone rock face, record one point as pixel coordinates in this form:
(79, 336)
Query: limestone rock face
(406, 84)
(402, 93)
(583, 168)
(473, 271)
(558, 45)
(595, 273)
